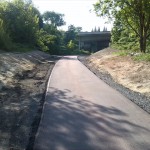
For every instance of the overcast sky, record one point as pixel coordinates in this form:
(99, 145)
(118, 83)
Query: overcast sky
(77, 12)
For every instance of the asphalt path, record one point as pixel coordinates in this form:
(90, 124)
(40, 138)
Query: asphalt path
(81, 112)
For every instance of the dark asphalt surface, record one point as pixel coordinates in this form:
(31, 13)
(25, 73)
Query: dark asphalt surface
(81, 112)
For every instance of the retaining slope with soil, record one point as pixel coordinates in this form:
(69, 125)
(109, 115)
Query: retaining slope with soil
(23, 81)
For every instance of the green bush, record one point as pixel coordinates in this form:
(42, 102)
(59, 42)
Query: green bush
(121, 53)
(5, 40)
(47, 42)
(142, 57)
(71, 45)
(21, 47)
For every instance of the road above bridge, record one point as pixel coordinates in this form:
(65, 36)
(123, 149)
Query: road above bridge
(81, 112)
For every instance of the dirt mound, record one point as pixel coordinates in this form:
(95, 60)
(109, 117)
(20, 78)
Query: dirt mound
(23, 79)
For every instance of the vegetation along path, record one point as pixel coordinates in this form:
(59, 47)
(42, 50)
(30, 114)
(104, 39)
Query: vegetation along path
(81, 112)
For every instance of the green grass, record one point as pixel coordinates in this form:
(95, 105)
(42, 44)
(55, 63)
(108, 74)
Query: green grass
(139, 57)
(142, 57)
(121, 53)
(124, 51)
(126, 47)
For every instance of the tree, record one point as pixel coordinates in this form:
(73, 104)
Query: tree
(48, 42)
(104, 29)
(95, 30)
(5, 40)
(21, 25)
(135, 14)
(71, 34)
(51, 28)
(52, 20)
(20, 20)
(117, 30)
(55, 19)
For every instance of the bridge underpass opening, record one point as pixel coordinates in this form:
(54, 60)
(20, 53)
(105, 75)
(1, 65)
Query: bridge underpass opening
(93, 41)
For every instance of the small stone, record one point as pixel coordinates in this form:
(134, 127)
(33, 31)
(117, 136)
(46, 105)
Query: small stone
(139, 86)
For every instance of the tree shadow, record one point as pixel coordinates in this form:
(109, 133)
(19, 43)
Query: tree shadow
(73, 123)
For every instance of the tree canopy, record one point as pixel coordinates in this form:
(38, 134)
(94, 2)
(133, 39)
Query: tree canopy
(53, 18)
(21, 24)
(20, 20)
(133, 15)
(71, 34)
(23, 27)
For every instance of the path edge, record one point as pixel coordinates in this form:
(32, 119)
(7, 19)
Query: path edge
(45, 97)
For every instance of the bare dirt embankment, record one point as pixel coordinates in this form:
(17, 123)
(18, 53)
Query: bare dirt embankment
(131, 78)
(23, 80)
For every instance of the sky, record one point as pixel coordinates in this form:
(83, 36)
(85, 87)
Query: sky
(77, 13)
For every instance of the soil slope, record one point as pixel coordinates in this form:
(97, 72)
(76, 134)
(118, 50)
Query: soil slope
(23, 80)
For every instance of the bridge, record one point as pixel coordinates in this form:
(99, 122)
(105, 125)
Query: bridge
(94, 41)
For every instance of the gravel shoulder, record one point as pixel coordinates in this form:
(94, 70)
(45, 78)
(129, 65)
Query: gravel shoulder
(131, 78)
(23, 82)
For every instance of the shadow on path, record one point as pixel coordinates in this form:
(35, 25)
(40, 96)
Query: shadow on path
(71, 122)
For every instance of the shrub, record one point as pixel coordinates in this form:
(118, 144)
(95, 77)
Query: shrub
(142, 57)
(5, 40)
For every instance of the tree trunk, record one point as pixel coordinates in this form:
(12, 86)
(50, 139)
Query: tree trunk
(143, 33)
(143, 38)
(143, 43)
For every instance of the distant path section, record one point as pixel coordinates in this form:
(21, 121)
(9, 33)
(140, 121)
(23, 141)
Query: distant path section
(81, 112)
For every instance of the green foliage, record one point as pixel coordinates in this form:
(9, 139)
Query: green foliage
(18, 47)
(142, 57)
(130, 15)
(136, 56)
(121, 53)
(41, 40)
(116, 31)
(19, 24)
(55, 19)
(71, 45)
(5, 40)
(21, 21)
(71, 34)
(22, 27)
(50, 29)
(47, 42)
(49, 38)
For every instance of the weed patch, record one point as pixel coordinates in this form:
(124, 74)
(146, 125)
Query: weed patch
(142, 57)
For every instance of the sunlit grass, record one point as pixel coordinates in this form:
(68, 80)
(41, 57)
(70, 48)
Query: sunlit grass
(121, 53)
(142, 57)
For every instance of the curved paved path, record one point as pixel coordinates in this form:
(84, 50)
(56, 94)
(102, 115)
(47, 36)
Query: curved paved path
(81, 112)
